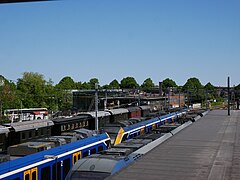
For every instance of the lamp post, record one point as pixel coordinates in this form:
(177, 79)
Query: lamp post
(206, 98)
(168, 99)
(179, 98)
(96, 106)
(228, 87)
(1, 85)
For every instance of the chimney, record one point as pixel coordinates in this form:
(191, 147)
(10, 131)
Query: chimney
(160, 89)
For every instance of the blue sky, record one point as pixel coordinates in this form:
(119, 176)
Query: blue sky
(108, 39)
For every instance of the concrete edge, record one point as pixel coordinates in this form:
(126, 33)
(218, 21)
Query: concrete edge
(186, 124)
(200, 116)
(153, 144)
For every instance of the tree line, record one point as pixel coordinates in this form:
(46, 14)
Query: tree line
(32, 90)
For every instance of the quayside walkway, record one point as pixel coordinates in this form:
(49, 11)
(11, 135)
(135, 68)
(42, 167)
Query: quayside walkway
(207, 149)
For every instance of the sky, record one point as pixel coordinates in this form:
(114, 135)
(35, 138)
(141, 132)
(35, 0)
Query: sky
(113, 39)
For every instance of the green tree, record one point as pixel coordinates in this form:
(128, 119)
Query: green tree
(209, 87)
(63, 93)
(237, 91)
(210, 91)
(148, 83)
(7, 95)
(194, 89)
(32, 89)
(168, 83)
(114, 84)
(85, 86)
(129, 82)
(78, 85)
(106, 86)
(192, 83)
(92, 83)
(66, 83)
(51, 97)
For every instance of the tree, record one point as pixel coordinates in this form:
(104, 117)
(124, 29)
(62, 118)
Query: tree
(168, 83)
(129, 82)
(237, 91)
(7, 94)
(194, 89)
(209, 87)
(210, 91)
(63, 92)
(148, 83)
(66, 83)
(32, 89)
(192, 83)
(114, 84)
(106, 86)
(86, 85)
(51, 96)
(78, 85)
(92, 83)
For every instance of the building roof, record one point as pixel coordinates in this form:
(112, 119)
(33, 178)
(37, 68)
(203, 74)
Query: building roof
(132, 109)
(3, 130)
(144, 107)
(99, 113)
(28, 125)
(117, 111)
(72, 119)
